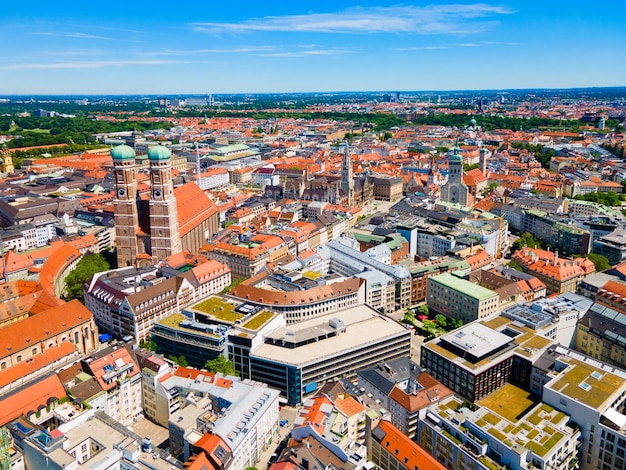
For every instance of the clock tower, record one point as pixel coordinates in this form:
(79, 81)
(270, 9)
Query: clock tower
(125, 203)
(164, 234)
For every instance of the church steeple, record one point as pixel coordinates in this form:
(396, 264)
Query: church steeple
(125, 204)
(455, 190)
(7, 160)
(164, 235)
(347, 180)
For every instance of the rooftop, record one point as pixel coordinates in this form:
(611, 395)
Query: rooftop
(218, 309)
(464, 287)
(363, 325)
(587, 382)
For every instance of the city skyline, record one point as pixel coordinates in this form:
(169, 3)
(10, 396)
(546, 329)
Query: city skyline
(310, 47)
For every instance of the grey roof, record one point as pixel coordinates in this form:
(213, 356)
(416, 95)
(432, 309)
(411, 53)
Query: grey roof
(385, 376)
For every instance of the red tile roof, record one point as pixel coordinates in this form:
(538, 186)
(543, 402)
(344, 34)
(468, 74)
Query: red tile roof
(408, 452)
(193, 207)
(31, 399)
(38, 328)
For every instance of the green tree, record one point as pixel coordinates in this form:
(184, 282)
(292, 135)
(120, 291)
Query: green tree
(430, 327)
(423, 310)
(85, 269)
(220, 364)
(527, 240)
(456, 323)
(148, 344)
(599, 261)
(409, 317)
(441, 320)
(514, 265)
(180, 360)
(235, 281)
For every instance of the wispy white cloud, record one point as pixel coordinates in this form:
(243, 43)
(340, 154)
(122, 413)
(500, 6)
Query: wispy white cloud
(94, 64)
(423, 48)
(235, 50)
(70, 35)
(306, 52)
(432, 19)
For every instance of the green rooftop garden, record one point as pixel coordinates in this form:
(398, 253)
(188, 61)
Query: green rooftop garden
(258, 320)
(497, 434)
(490, 464)
(542, 449)
(218, 309)
(510, 402)
(600, 390)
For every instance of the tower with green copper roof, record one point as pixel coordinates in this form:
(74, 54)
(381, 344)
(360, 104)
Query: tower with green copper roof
(164, 234)
(455, 190)
(125, 204)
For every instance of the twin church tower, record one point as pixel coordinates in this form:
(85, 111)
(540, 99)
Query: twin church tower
(135, 246)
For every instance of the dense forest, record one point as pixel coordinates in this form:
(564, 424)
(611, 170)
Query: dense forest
(58, 130)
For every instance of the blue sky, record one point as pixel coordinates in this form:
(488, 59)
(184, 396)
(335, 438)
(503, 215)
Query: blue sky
(158, 47)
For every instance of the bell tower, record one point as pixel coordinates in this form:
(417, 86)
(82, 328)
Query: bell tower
(7, 160)
(164, 235)
(347, 180)
(125, 203)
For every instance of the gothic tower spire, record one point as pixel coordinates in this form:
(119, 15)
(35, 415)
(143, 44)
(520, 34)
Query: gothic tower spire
(347, 180)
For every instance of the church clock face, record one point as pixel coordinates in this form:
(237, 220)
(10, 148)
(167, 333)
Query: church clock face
(121, 192)
(157, 193)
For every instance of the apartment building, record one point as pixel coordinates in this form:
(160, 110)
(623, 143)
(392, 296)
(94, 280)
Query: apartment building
(243, 414)
(129, 301)
(344, 258)
(464, 436)
(118, 376)
(457, 298)
(390, 449)
(403, 389)
(558, 274)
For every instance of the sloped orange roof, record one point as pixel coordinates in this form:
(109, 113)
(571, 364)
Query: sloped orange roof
(404, 450)
(30, 399)
(63, 255)
(37, 328)
(198, 462)
(193, 207)
(314, 416)
(25, 368)
(99, 366)
(14, 262)
(349, 406)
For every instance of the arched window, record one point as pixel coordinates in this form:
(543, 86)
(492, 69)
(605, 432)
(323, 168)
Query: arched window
(76, 337)
(18, 358)
(33, 352)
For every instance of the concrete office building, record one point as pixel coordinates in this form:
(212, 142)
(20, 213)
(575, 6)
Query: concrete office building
(299, 358)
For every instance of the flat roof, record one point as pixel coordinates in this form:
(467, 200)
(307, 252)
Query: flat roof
(363, 326)
(463, 286)
(477, 339)
(588, 381)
